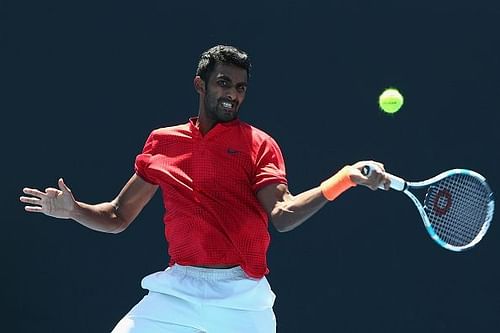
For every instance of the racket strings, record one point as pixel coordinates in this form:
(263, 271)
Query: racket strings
(457, 208)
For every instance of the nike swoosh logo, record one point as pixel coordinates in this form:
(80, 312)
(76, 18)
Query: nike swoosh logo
(232, 151)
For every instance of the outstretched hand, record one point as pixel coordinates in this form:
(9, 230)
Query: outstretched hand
(377, 179)
(58, 203)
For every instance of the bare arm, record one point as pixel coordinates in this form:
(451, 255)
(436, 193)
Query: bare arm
(287, 211)
(112, 217)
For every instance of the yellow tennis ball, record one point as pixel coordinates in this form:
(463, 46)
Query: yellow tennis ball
(391, 100)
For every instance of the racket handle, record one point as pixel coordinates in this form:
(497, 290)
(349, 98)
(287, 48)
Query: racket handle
(397, 183)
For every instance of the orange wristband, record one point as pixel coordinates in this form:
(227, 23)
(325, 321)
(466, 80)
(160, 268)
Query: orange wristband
(337, 184)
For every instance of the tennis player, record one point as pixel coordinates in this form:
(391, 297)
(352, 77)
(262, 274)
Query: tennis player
(222, 180)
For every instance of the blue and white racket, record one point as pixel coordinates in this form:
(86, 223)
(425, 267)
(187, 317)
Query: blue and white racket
(457, 208)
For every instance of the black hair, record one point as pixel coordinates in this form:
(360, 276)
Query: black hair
(222, 54)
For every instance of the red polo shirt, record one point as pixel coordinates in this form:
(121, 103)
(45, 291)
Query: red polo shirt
(212, 215)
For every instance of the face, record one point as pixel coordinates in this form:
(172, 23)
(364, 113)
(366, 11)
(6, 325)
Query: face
(225, 92)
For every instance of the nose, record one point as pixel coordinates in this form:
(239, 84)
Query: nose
(231, 94)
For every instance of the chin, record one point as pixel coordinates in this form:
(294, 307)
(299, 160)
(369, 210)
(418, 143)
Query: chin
(228, 117)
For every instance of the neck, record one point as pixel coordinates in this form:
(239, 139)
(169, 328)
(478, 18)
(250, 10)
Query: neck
(204, 123)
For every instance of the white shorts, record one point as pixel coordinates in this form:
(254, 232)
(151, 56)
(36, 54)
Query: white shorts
(204, 300)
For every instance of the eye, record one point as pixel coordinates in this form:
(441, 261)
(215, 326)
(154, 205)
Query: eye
(222, 83)
(242, 89)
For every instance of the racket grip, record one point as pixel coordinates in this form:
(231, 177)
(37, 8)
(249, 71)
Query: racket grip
(397, 183)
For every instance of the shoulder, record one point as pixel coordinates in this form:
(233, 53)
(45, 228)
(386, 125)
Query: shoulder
(260, 143)
(171, 130)
(161, 137)
(256, 135)
(162, 133)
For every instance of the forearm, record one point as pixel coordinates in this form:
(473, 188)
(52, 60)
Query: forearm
(287, 212)
(100, 217)
(295, 210)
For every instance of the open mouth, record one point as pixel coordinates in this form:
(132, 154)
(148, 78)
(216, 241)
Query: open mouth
(227, 106)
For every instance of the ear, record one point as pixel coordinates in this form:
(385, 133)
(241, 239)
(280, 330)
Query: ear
(199, 84)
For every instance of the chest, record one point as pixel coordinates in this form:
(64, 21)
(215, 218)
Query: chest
(205, 163)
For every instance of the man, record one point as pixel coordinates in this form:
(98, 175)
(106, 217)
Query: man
(222, 180)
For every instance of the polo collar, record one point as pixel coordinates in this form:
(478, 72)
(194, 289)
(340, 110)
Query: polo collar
(193, 121)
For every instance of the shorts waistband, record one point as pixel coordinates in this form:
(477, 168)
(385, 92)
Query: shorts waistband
(209, 273)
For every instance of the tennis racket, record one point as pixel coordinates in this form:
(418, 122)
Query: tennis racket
(457, 208)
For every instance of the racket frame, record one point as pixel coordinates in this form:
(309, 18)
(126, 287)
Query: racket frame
(401, 185)
(425, 218)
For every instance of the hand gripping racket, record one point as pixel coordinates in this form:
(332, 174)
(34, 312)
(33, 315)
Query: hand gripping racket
(457, 208)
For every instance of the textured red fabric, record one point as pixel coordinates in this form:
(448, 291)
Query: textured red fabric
(209, 183)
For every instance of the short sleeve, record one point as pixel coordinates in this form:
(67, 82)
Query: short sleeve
(269, 165)
(143, 160)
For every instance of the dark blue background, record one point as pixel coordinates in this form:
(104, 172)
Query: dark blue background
(83, 84)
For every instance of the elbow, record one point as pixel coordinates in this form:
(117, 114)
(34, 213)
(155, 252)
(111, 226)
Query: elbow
(282, 229)
(281, 219)
(281, 226)
(117, 230)
(119, 226)
(121, 221)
